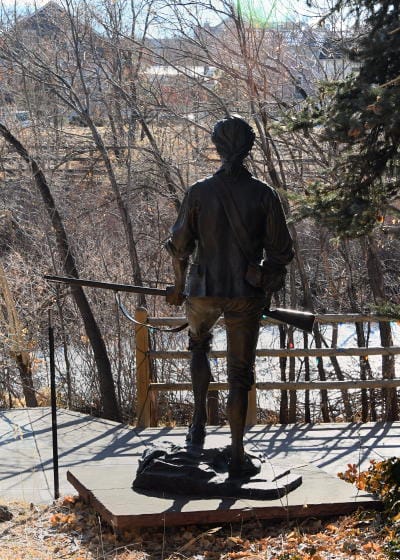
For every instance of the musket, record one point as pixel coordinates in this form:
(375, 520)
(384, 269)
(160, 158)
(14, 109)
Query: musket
(303, 320)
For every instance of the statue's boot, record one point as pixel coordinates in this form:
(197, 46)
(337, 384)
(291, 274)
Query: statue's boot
(196, 435)
(241, 465)
(246, 468)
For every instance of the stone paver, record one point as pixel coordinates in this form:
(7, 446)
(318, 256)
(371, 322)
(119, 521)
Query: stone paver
(26, 447)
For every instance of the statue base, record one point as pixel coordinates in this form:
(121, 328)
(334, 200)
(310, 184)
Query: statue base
(170, 470)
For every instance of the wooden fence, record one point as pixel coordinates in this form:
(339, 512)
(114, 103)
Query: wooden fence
(146, 389)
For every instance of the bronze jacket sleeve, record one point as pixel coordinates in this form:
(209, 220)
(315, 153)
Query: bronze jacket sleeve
(278, 243)
(182, 241)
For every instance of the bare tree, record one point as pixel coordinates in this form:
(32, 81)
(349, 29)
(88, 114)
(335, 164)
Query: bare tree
(16, 340)
(110, 406)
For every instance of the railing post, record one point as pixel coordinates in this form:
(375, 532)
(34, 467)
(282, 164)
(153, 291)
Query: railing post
(251, 418)
(143, 377)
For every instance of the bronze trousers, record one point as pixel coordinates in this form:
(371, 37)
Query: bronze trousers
(242, 317)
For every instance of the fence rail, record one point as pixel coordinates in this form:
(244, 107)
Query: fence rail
(326, 318)
(146, 389)
(289, 385)
(287, 352)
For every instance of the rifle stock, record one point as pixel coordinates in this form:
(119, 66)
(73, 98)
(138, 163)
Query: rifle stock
(300, 319)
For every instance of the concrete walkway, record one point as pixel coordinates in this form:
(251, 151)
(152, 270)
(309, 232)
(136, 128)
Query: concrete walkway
(26, 447)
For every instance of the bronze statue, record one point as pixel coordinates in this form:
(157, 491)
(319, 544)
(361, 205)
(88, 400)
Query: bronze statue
(233, 229)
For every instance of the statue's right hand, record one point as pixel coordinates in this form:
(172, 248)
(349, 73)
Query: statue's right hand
(174, 296)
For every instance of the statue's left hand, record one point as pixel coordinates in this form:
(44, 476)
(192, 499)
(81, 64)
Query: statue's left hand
(175, 296)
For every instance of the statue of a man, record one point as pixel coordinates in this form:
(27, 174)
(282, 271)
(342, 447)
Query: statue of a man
(217, 284)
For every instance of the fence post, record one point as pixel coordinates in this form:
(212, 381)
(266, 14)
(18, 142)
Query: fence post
(251, 418)
(143, 377)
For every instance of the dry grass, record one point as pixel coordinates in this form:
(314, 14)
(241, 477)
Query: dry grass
(70, 529)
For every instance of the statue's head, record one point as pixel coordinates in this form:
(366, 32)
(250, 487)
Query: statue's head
(233, 138)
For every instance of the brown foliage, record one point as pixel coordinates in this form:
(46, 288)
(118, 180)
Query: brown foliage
(70, 529)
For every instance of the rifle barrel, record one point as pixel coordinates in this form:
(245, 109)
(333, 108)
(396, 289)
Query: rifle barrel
(106, 285)
(299, 319)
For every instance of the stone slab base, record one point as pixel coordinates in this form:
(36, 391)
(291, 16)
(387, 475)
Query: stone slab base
(108, 490)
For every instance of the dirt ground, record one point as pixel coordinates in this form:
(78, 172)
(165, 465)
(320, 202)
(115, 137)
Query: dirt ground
(72, 530)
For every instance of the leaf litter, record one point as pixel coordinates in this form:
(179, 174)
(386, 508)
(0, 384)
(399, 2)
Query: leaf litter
(72, 530)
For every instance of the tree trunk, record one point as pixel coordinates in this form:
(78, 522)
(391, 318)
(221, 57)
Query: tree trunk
(365, 369)
(376, 279)
(292, 360)
(122, 208)
(348, 412)
(283, 407)
(307, 411)
(322, 376)
(64, 339)
(317, 334)
(25, 372)
(107, 390)
(18, 343)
